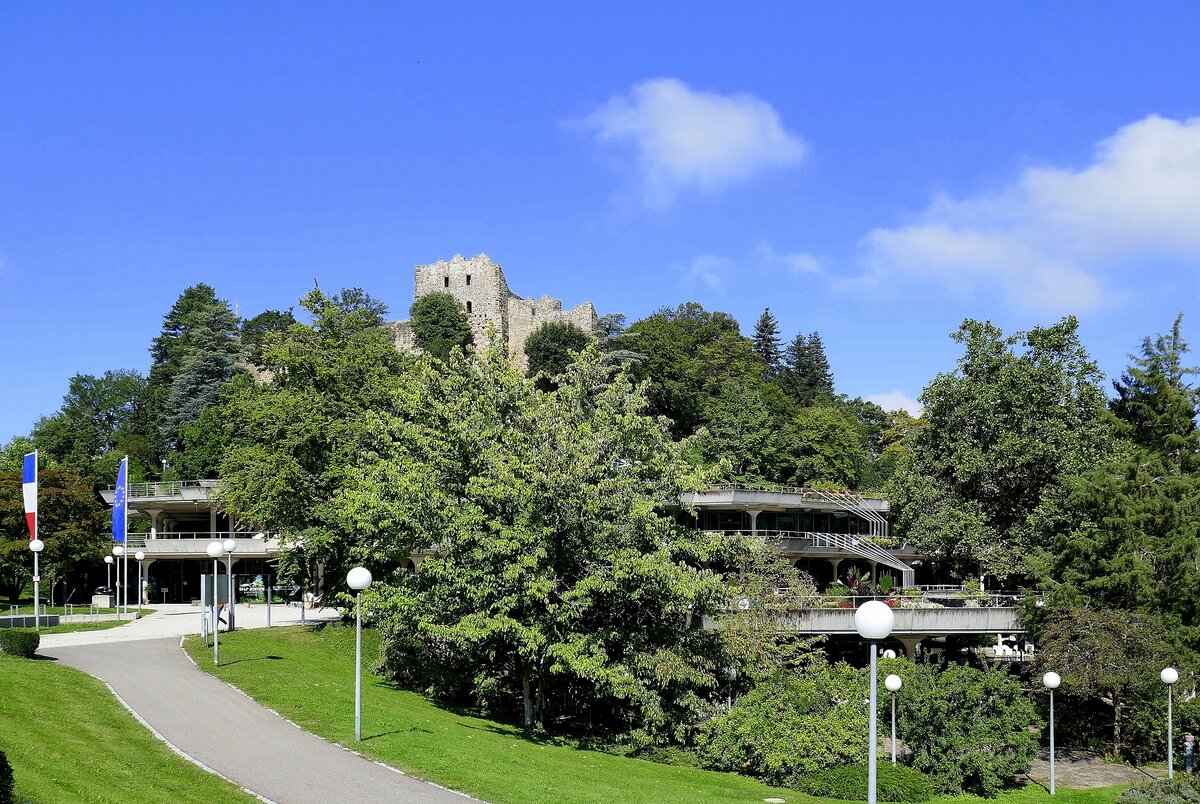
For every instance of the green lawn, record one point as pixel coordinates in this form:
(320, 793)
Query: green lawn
(310, 681)
(69, 628)
(69, 739)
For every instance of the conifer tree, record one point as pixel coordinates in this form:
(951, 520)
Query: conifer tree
(807, 376)
(767, 343)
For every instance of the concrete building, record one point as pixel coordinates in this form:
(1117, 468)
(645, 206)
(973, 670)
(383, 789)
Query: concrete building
(479, 285)
(184, 517)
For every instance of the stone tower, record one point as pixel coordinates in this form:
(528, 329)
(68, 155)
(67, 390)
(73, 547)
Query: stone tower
(479, 286)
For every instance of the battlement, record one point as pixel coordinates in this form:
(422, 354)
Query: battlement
(479, 285)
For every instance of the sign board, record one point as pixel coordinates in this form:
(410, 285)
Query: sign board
(206, 589)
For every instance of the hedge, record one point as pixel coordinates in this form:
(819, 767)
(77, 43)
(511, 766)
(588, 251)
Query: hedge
(6, 780)
(1179, 790)
(19, 642)
(850, 782)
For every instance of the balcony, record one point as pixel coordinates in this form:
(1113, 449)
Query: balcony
(194, 544)
(194, 491)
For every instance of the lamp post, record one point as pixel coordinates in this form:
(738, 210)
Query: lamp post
(117, 552)
(140, 556)
(230, 545)
(37, 545)
(1051, 680)
(214, 552)
(358, 579)
(1169, 676)
(108, 562)
(893, 683)
(873, 620)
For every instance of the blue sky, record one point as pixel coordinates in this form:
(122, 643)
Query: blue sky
(874, 171)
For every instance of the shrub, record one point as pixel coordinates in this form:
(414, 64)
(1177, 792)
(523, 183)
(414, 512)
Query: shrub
(6, 780)
(850, 782)
(790, 726)
(439, 324)
(19, 642)
(1180, 790)
(968, 729)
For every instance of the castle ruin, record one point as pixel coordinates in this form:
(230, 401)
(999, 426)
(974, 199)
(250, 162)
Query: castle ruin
(479, 286)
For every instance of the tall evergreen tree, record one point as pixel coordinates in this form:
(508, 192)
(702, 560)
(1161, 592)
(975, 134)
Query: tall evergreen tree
(807, 376)
(193, 355)
(767, 343)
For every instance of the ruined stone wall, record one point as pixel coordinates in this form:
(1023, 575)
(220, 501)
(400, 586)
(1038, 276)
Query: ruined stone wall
(479, 285)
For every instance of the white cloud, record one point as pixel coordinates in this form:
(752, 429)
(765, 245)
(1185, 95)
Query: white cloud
(688, 139)
(708, 269)
(799, 263)
(897, 400)
(1053, 239)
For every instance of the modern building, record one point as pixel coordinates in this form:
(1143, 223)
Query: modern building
(184, 518)
(826, 533)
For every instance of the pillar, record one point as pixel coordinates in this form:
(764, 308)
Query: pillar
(835, 563)
(874, 571)
(212, 522)
(910, 642)
(754, 521)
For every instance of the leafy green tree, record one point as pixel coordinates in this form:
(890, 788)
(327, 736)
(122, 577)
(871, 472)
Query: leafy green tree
(1104, 653)
(826, 448)
(551, 571)
(99, 416)
(806, 374)
(968, 729)
(293, 438)
(791, 725)
(440, 324)
(766, 342)
(690, 355)
(741, 436)
(256, 331)
(71, 522)
(551, 347)
(984, 484)
(12, 454)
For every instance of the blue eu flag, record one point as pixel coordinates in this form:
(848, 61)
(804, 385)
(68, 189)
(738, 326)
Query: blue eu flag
(119, 511)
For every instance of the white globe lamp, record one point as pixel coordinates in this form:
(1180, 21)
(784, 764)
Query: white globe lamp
(1169, 676)
(893, 683)
(358, 579)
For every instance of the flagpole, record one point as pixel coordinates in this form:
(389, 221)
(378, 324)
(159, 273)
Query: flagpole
(125, 538)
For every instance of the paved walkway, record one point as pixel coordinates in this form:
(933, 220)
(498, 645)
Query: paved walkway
(174, 619)
(223, 729)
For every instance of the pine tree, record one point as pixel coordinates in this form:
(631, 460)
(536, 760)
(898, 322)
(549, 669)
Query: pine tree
(766, 342)
(806, 373)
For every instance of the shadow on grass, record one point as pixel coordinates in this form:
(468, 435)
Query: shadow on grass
(409, 730)
(256, 659)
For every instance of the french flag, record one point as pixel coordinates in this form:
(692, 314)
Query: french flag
(29, 488)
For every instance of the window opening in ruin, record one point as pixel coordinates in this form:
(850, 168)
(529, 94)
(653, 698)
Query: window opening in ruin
(468, 307)
(468, 280)
(445, 281)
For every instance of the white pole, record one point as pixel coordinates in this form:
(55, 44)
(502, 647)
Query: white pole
(125, 540)
(893, 729)
(216, 619)
(229, 582)
(139, 590)
(1051, 741)
(117, 563)
(1170, 737)
(37, 618)
(358, 667)
(871, 770)
(268, 583)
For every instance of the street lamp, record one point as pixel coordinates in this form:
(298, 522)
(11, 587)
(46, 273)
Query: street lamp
(37, 545)
(873, 620)
(117, 552)
(893, 683)
(358, 579)
(1169, 676)
(108, 561)
(214, 552)
(140, 556)
(1051, 680)
(230, 545)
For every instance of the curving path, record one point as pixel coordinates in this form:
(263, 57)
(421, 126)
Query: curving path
(219, 727)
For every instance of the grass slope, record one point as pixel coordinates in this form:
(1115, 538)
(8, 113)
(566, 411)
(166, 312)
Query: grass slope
(307, 676)
(69, 739)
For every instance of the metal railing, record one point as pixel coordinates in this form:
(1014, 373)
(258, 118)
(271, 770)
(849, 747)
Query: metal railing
(817, 495)
(859, 545)
(784, 598)
(167, 488)
(140, 540)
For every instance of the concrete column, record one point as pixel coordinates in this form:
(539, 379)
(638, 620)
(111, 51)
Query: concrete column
(754, 521)
(835, 563)
(212, 520)
(154, 513)
(910, 642)
(874, 571)
(146, 579)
